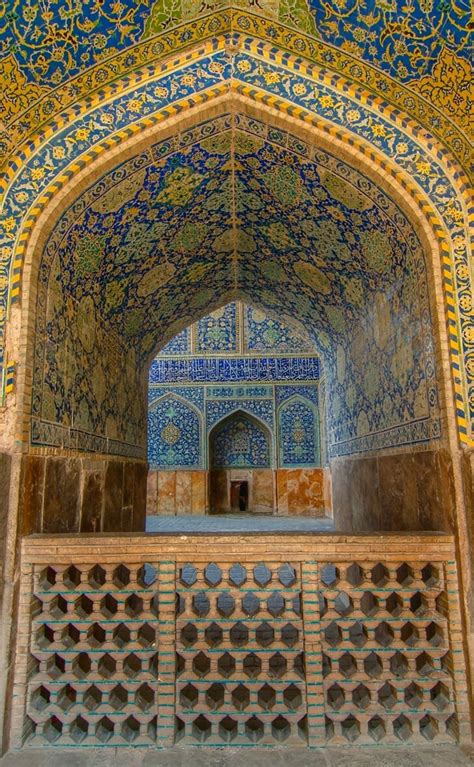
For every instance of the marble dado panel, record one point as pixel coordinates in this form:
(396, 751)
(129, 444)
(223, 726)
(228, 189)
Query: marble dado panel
(406, 491)
(177, 492)
(72, 495)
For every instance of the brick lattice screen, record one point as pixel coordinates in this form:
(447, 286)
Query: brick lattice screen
(183, 640)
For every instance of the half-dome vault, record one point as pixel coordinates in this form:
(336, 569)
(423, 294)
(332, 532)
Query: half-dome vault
(233, 208)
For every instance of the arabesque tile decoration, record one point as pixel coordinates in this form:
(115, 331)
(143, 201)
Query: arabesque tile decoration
(338, 108)
(346, 246)
(181, 418)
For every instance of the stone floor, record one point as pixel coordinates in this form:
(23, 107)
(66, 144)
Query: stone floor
(238, 523)
(434, 756)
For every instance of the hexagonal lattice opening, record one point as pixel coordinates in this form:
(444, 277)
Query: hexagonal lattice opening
(188, 575)
(398, 665)
(418, 603)
(434, 635)
(265, 634)
(402, 727)
(430, 575)
(429, 727)
(92, 698)
(329, 727)
(369, 603)
(380, 575)
(387, 696)
(213, 635)
(121, 635)
(240, 697)
(347, 665)
(83, 606)
(442, 604)
(201, 664)
(239, 634)
(409, 634)
(343, 604)
(373, 666)
(147, 575)
(72, 577)
(212, 574)
(97, 576)
(299, 665)
(44, 636)
(289, 635)
(383, 634)
(146, 636)
(336, 697)
(81, 665)
(226, 665)
(250, 604)
(280, 729)
(254, 729)
(107, 666)
(52, 729)
(95, 635)
(287, 575)
(275, 604)
(277, 665)
(252, 666)
(58, 606)
(55, 666)
(355, 574)
(361, 697)
(145, 697)
(47, 578)
(132, 665)
(333, 634)
(228, 729)
(215, 696)
(376, 728)
(201, 728)
(108, 606)
(153, 665)
(237, 574)
(133, 605)
(292, 697)
(104, 729)
(67, 697)
(71, 635)
(79, 729)
(121, 576)
(130, 729)
(180, 604)
(118, 697)
(358, 634)
(189, 696)
(200, 604)
(225, 604)
(350, 728)
(266, 697)
(405, 575)
(413, 695)
(180, 729)
(40, 698)
(424, 664)
(262, 575)
(329, 575)
(189, 635)
(394, 604)
(439, 695)
(180, 664)
(327, 665)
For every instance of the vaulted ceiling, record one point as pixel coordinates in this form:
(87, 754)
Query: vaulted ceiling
(157, 243)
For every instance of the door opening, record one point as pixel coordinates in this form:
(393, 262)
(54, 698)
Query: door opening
(239, 495)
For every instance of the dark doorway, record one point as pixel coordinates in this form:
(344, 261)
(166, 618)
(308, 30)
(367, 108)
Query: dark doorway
(239, 496)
